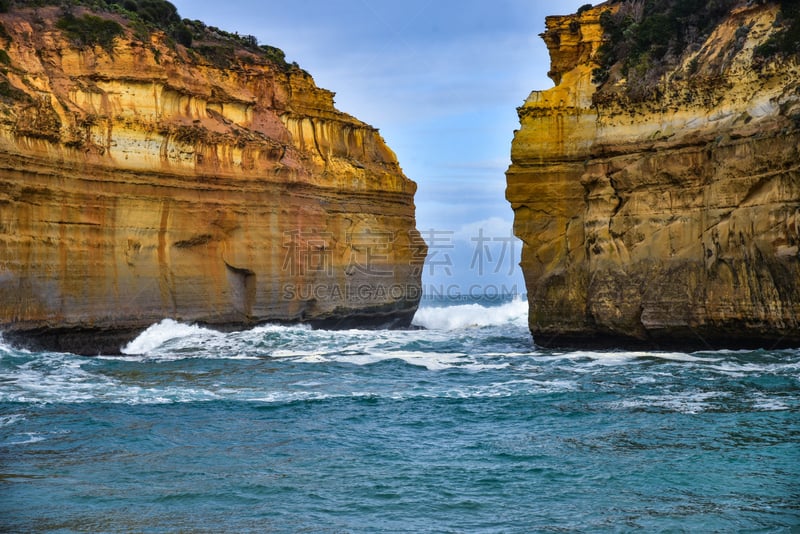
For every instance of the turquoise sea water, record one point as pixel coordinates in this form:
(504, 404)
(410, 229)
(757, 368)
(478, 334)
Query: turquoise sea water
(463, 427)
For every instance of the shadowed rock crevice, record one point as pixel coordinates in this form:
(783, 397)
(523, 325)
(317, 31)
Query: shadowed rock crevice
(243, 290)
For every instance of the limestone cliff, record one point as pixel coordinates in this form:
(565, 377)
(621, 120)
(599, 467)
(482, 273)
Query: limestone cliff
(142, 179)
(670, 219)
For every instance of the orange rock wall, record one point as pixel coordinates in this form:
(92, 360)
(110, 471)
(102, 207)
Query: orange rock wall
(144, 182)
(673, 222)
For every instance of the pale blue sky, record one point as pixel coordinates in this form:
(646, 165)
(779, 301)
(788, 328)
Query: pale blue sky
(442, 81)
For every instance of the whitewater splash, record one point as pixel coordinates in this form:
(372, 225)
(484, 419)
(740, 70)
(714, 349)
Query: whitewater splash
(172, 362)
(162, 332)
(472, 315)
(177, 335)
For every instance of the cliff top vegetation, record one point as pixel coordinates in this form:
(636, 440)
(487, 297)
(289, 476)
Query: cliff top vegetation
(644, 38)
(101, 27)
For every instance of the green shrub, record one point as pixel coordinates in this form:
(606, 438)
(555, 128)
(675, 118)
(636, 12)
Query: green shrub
(183, 35)
(160, 13)
(90, 30)
(221, 56)
(274, 54)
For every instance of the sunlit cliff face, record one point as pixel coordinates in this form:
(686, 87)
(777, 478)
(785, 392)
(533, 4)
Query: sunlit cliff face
(142, 181)
(671, 221)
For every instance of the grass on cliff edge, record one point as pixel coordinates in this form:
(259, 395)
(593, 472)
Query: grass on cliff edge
(144, 16)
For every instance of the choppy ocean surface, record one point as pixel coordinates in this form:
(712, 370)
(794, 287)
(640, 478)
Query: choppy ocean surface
(462, 427)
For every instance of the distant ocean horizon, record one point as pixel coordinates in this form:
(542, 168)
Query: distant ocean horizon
(459, 425)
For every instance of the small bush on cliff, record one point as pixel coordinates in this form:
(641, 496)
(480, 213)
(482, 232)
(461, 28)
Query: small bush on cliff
(90, 30)
(183, 35)
(158, 14)
(276, 55)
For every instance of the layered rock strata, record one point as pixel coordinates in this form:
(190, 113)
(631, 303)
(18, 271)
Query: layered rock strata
(143, 181)
(668, 222)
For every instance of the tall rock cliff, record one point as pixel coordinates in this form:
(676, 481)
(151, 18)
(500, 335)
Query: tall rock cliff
(142, 179)
(662, 208)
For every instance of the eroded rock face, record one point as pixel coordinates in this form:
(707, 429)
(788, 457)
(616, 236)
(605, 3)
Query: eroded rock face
(145, 182)
(672, 222)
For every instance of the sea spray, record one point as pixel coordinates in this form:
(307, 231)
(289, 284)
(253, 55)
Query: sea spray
(472, 315)
(174, 335)
(158, 334)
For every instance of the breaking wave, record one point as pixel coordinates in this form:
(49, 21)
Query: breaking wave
(472, 315)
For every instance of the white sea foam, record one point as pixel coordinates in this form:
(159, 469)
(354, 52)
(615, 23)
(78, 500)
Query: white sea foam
(11, 419)
(625, 357)
(57, 378)
(431, 361)
(63, 379)
(455, 341)
(160, 333)
(766, 404)
(738, 370)
(30, 437)
(687, 402)
(6, 349)
(472, 315)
